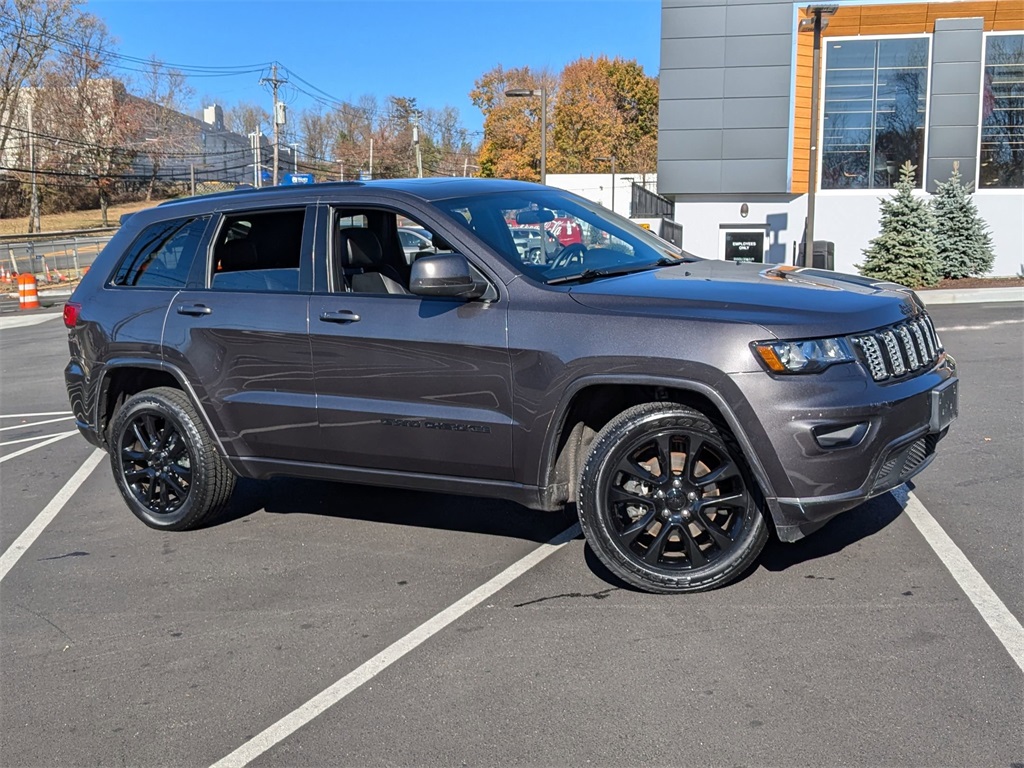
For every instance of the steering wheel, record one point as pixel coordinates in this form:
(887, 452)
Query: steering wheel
(571, 254)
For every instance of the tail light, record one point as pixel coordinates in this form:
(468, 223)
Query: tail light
(71, 313)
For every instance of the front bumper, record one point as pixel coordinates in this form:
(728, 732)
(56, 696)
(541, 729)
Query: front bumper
(893, 431)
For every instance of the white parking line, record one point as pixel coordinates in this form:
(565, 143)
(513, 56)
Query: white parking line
(327, 698)
(55, 439)
(995, 613)
(5, 443)
(36, 527)
(983, 327)
(35, 423)
(34, 415)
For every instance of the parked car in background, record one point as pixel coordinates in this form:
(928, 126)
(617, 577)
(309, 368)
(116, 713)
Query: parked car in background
(415, 242)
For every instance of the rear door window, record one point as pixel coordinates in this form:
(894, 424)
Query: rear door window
(259, 251)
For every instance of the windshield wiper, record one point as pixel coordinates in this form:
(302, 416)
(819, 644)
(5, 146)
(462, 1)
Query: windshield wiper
(590, 274)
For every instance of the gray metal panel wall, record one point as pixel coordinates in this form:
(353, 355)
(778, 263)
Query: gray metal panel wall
(955, 99)
(726, 77)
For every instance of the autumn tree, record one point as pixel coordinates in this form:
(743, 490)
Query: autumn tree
(511, 143)
(587, 122)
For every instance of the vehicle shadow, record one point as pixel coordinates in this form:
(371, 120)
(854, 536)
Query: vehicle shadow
(839, 533)
(471, 514)
(835, 536)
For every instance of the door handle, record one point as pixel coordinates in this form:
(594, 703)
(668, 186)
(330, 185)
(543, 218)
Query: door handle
(341, 316)
(194, 309)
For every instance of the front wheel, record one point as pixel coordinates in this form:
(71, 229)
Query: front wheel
(667, 502)
(165, 463)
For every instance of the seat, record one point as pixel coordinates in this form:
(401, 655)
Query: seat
(237, 256)
(361, 256)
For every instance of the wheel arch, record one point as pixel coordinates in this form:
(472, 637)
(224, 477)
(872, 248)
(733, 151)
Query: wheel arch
(591, 402)
(124, 377)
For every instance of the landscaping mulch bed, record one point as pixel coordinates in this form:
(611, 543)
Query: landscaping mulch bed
(978, 282)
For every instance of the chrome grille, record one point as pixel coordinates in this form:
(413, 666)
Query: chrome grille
(900, 349)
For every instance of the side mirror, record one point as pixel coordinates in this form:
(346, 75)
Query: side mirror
(443, 274)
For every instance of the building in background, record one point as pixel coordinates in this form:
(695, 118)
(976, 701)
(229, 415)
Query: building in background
(929, 82)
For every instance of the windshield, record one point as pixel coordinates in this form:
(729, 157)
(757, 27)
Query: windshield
(581, 239)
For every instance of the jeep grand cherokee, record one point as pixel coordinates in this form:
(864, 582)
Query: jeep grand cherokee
(684, 406)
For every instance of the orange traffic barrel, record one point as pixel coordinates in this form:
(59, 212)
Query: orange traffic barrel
(27, 296)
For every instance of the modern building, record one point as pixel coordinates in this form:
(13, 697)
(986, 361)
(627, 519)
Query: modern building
(935, 83)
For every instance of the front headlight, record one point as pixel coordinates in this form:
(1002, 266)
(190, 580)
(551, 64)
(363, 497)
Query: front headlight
(809, 356)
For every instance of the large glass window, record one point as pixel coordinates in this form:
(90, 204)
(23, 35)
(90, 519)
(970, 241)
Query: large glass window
(1002, 113)
(874, 102)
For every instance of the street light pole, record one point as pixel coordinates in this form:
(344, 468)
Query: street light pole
(543, 93)
(612, 161)
(816, 22)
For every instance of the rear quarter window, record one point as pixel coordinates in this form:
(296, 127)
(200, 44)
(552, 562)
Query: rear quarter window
(161, 257)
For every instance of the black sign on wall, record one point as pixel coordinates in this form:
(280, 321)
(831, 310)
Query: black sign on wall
(744, 246)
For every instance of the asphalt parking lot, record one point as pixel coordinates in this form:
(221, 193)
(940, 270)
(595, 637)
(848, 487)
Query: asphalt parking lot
(857, 646)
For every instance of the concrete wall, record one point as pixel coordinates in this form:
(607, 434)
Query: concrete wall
(598, 187)
(850, 220)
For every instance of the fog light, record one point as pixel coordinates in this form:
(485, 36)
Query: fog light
(840, 437)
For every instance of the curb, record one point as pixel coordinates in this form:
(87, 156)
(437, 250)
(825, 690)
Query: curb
(970, 295)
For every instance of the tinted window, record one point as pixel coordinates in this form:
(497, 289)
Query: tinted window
(259, 251)
(162, 255)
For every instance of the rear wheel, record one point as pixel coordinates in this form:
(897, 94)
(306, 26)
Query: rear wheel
(165, 463)
(667, 501)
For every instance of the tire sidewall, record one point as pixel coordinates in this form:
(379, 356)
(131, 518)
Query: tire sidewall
(609, 447)
(186, 428)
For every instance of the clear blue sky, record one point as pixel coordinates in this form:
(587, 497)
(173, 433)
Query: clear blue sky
(432, 50)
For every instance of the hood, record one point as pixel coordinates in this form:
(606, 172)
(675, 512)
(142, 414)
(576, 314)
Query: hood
(787, 301)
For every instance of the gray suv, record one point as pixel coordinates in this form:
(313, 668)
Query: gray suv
(686, 407)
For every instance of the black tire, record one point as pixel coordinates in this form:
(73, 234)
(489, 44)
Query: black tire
(695, 527)
(165, 464)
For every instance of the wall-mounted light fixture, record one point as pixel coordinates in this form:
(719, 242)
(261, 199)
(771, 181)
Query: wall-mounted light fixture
(744, 210)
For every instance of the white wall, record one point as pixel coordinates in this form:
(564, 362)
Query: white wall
(849, 219)
(598, 187)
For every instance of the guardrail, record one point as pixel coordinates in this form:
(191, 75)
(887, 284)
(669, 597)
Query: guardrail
(68, 257)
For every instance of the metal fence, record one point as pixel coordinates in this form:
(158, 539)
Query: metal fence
(52, 260)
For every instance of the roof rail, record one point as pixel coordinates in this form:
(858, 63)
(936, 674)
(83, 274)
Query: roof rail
(250, 190)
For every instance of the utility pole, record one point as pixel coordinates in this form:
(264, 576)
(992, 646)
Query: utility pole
(33, 211)
(371, 158)
(341, 175)
(416, 143)
(257, 165)
(278, 112)
(192, 177)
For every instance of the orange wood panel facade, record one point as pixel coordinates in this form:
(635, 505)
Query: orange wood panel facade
(875, 21)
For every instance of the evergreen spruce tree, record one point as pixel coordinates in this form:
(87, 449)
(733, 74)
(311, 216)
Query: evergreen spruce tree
(962, 239)
(904, 251)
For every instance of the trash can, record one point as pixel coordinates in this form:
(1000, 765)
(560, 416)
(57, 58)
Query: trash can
(824, 255)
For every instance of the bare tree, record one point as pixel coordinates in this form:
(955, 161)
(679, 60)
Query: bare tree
(246, 117)
(165, 128)
(28, 30)
(89, 109)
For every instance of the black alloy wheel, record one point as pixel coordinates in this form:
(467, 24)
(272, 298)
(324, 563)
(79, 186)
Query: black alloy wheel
(165, 463)
(668, 503)
(155, 462)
